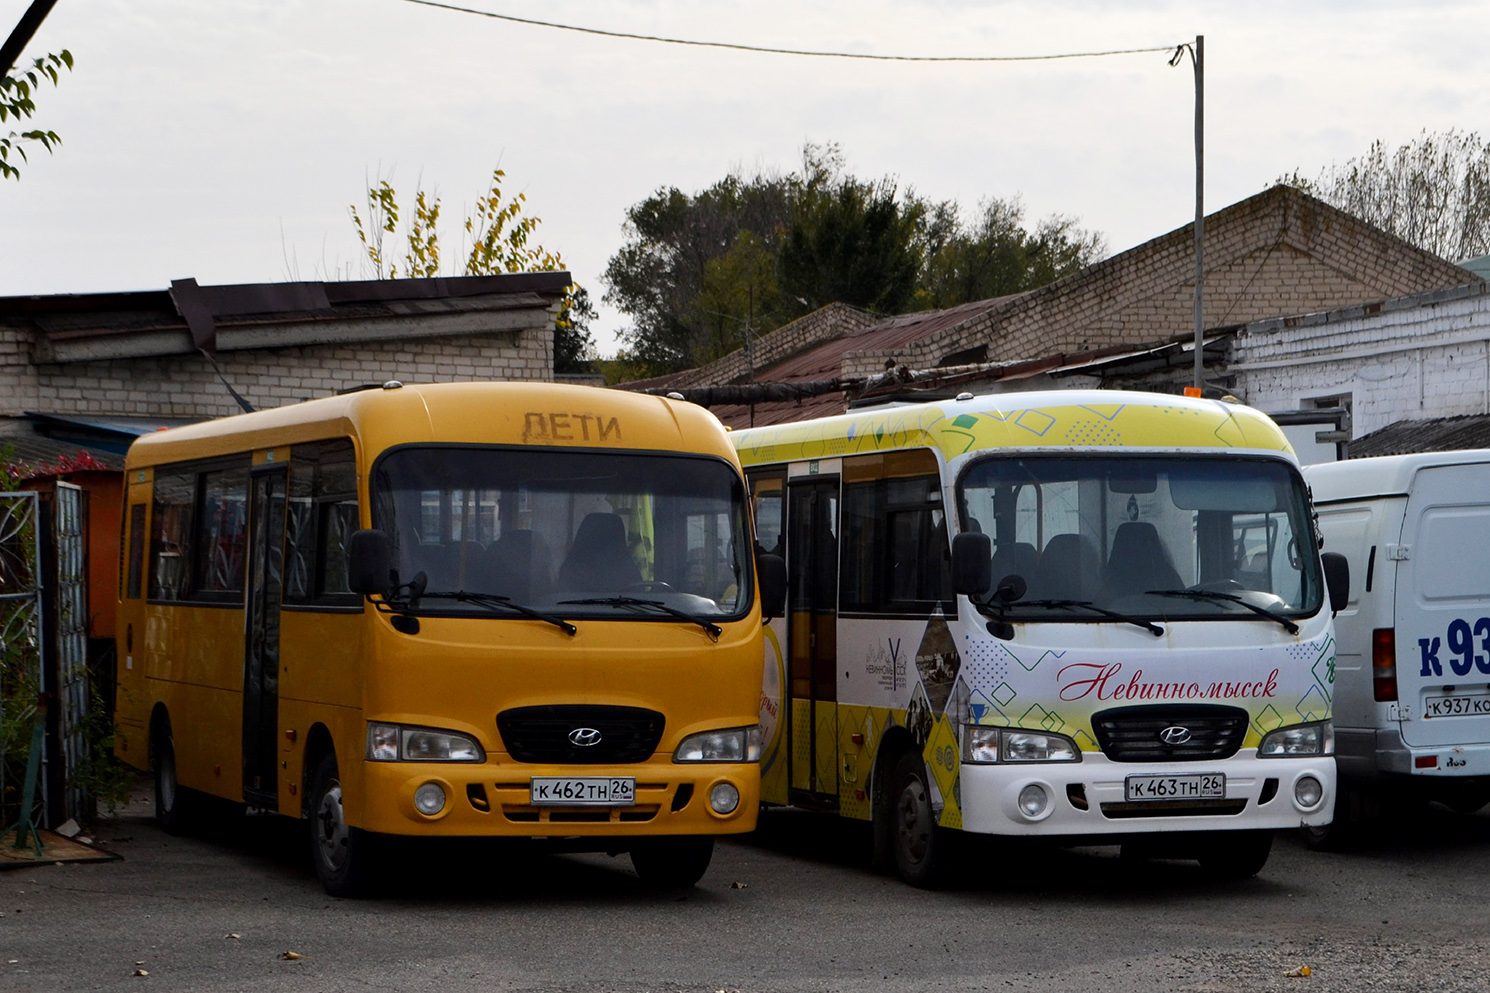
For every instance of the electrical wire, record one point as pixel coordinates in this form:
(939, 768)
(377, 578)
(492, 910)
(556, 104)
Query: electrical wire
(1176, 49)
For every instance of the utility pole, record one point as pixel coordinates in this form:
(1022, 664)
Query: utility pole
(25, 29)
(1198, 55)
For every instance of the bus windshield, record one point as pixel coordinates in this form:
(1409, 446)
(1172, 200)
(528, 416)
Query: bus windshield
(1150, 537)
(550, 528)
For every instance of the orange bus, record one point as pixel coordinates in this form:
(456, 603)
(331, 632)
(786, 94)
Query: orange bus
(468, 609)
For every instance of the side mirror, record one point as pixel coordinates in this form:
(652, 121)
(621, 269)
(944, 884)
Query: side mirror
(770, 571)
(1337, 580)
(370, 562)
(972, 563)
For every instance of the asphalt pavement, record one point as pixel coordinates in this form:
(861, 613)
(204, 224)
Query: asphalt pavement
(794, 907)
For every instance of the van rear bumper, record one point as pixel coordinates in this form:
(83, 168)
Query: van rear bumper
(1366, 754)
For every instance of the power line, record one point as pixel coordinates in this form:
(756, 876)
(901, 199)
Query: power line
(795, 51)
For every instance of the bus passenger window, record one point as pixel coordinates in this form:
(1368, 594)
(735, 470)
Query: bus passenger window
(223, 533)
(170, 547)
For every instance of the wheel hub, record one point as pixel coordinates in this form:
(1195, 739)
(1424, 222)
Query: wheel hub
(331, 828)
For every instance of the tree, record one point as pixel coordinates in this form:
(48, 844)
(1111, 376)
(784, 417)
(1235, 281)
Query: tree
(995, 255)
(17, 103)
(1433, 191)
(748, 254)
(498, 239)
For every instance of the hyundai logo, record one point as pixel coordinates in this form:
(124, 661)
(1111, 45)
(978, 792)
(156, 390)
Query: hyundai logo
(1174, 735)
(587, 737)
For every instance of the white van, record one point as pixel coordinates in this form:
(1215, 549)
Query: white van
(1412, 670)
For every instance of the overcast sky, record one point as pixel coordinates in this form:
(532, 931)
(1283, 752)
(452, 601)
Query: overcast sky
(224, 141)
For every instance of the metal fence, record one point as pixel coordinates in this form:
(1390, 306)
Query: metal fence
(70, 592)
(21, 637)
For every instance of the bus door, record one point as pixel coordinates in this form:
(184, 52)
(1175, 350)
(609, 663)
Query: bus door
(812, 636)
(266, 524)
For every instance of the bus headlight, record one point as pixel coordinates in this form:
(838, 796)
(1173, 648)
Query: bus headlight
(987, 746)
(400, 743)
(729, 745)
(1299, 741)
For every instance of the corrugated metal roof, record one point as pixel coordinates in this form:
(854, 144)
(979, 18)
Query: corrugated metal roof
(1439, 434)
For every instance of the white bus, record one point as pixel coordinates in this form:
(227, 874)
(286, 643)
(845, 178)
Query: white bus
(1094, 616)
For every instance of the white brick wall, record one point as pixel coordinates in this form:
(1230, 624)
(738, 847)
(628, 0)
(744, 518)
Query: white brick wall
(1414, 358)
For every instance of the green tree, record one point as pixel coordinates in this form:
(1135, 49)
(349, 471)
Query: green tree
(17, 103)
(498, 239)
(1433, 191)
(696, 271)
(995, 255)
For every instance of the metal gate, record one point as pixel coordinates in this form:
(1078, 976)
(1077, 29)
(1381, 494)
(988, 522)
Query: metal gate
(71, 644)
(21, 633)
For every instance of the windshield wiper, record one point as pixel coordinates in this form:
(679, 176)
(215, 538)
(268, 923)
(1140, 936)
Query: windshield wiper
(1149, 626)
(630, 601)
(493, 600)
(1212, 595)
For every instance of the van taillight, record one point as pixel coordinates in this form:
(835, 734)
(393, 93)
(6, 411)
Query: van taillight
(1384, 664)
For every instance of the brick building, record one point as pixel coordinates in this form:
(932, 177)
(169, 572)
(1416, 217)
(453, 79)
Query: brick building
(1127, 320)
(1411, 373)
(94, 369)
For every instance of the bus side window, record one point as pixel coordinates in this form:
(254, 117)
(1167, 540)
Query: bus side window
(896, 557)
(320, 519)
(170, 546)
(769, 512)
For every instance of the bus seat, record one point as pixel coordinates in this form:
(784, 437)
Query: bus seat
(519, 565)
(1067, 569)
(1017, 558)
(598, 559)
(1137, 562)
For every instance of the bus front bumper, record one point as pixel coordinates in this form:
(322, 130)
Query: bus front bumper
(1091, 797)
(495, 800)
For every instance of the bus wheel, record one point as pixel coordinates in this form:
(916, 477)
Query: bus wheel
(1236, 854)
(341, 852)
(917, 841)
(1344, 827)
(673, 863)
(173, 802)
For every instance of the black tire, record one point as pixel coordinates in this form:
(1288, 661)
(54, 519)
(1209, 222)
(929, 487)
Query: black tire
(673, 863)
(1468, 799)
(917, 842)
(175, 805)
(343, 855)
(1236, 854)
(1343, 829)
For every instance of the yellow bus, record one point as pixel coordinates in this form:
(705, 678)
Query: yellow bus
(471, 609)
(1097, 617)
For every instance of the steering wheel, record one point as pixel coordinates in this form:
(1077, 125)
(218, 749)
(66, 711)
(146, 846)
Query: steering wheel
(648, 586)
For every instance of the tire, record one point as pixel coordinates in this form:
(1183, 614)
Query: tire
(1341, 832)
(175, 805)
(673, 863)
(1236, 854)
(917, 842)
(343, 855)
(1468, 799)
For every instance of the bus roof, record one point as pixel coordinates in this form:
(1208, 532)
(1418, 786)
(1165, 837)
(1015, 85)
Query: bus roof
(453, 413)
(1049, 419)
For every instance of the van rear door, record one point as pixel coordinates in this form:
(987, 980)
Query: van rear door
(1443, 607)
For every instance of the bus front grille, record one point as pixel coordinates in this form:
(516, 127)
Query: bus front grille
(557, 734)
(1170, 732)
